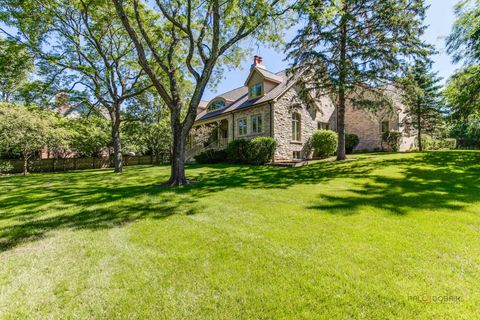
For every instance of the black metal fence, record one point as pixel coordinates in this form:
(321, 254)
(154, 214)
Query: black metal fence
(69, 164)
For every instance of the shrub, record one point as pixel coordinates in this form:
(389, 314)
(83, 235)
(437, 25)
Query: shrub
(392, 139)
(429, 143)
(6, 167)
(351, 142)
(324, 142)
(450, 144)
(211, 156)
(261, 150)
(237, 151)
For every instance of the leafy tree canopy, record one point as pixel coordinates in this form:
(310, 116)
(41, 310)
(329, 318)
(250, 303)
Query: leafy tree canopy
(463, 93)
(27, 130)
(15, 65)
(192, 41)
(464, 41)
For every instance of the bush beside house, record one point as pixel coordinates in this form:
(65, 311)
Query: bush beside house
(392, 139)
(237, 151)
(351, 142)
(324, 143)
(256, 151)
(261, 150)
(211, 156)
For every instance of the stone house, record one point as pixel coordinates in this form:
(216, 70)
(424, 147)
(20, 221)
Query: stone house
(270, 105)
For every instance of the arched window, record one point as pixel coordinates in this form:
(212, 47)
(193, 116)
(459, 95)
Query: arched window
(296, 127)
(216, 105)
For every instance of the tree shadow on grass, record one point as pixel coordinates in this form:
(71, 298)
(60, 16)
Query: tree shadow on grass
(32, 207)
(39, 204)
(443, 180)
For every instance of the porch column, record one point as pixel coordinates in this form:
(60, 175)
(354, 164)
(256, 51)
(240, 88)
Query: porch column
(231, 128)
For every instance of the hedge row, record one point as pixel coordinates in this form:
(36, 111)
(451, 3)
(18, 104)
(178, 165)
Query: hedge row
(429, 143)
(256, 151)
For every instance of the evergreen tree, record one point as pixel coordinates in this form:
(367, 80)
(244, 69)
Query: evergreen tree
(353, 49)
(422, 96)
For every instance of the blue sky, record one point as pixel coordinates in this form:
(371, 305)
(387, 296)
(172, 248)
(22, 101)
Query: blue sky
(440, 18)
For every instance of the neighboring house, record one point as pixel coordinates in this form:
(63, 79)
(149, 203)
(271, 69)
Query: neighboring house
(270, 105)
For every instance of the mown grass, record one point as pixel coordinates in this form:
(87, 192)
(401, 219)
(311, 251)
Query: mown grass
(376, 238)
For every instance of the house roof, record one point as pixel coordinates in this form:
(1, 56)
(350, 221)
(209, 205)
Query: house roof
(238, 98)
(203, 104)
(267, 75)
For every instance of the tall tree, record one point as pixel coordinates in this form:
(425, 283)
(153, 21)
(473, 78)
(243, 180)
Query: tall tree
(197, 37)
(147, 127)
(351, 49)
(85, 42)
(462, 93)
(27, 131)
(464, 41)
(422, 95)
(463, 88)
(15, 65)
(90, 135)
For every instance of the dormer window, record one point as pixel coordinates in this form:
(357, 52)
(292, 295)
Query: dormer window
(216, 105)
(256, 90)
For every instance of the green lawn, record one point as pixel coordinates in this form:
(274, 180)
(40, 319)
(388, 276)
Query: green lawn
(376, 238)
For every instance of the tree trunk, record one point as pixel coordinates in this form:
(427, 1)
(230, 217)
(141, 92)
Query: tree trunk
(419, 129)
(117, 145)
(25, 166)
(419, 137)
(177, 177)
(117, 152)
(341, 153)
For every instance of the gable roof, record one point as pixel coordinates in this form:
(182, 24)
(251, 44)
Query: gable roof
(267, 75)
(239, 96)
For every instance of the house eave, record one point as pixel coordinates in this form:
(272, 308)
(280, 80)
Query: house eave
(210, 119)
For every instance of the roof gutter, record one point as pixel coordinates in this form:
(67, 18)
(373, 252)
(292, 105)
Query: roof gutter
(234, 111)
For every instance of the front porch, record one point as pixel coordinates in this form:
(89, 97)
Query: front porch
(213, 135)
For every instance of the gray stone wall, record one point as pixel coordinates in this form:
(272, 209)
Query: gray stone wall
(310, 113)
(247, 114)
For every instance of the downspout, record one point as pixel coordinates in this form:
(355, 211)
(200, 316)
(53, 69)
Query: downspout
(271, 120)
(233, 126)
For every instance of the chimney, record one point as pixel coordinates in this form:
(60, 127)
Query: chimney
(258, 62)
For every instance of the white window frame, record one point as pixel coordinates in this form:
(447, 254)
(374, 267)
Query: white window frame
(323, 125)
(211, 109)
(240, 129)
(250, 89)
(256, 125)
(296, 127)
